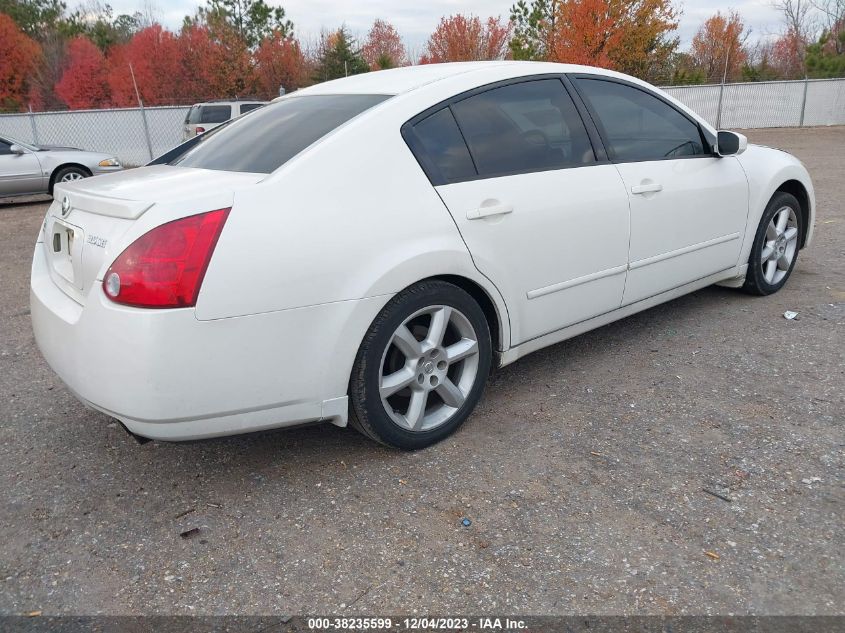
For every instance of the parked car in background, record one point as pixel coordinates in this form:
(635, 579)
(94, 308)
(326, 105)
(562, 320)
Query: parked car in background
(366, 249)
(34, 169)
(203, 117)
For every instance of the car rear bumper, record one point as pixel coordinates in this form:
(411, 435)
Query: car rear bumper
(167, 375)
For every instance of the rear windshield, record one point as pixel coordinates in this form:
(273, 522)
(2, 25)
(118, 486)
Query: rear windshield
(271, 136)
(209, 114)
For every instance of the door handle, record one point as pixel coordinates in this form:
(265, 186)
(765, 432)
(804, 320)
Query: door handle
(486, 212)
(649, 188)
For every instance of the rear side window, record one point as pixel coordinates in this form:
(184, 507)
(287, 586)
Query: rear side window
(271, 136)
(524, 127)
(638, 126)
(209, 114)
(246, 107)
(444, 155)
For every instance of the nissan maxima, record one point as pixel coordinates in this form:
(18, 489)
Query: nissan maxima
(366, 250)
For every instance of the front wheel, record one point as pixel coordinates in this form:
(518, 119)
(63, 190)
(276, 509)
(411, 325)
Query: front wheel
(775, 248)
(70, 173)
(422, 366)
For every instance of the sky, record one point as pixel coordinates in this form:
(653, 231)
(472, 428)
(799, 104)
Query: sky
(416, 20)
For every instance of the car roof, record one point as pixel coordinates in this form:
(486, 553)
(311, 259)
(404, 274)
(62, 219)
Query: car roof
(397, 81)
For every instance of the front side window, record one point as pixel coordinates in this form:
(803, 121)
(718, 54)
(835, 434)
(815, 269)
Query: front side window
(271, 136)
(5, 148)
(638, 126)
(523, 127)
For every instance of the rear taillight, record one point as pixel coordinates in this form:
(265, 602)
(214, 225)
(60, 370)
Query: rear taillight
(200, 130)
(164, 267)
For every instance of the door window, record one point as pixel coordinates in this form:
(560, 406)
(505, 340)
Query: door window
(523, 127)
(637, 126)
(5, 148)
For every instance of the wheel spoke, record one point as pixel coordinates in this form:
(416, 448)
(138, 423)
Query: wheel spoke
(396, 381)
(450, 393)
(437, 328)
(460, 350)
(784, 261)
(772, 231)
(766, 255)
(407, 344)
(791, 234)
(771, 267)
(416, 409)
(782, 219)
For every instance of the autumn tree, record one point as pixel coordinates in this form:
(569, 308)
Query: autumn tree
(718, 48)
(84, 83)
(253, 20)
(153, 54)
(279, 62)
(338, 57)
(19, 57)
(461, 38)
(383, 47)
(633, 36)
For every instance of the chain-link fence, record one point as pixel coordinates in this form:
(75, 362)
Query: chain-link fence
(136, 136)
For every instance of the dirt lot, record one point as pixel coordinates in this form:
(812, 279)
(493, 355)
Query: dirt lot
(582, 473)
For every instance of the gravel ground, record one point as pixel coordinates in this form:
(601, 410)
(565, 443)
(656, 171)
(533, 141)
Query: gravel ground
(581, 472)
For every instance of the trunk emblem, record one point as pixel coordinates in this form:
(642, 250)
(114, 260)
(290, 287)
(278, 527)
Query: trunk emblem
(65, 206)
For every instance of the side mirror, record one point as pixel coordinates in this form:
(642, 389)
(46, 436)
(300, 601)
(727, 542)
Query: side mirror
(17, 149)
(731, 143)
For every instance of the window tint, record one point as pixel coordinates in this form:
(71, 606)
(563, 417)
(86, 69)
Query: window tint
(522, 127)
(5, 147)
(445, 156)
(271, 136)
(246, 107)
(210, 114)
(639, 126)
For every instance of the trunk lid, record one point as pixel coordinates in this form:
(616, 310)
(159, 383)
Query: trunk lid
(84, 226)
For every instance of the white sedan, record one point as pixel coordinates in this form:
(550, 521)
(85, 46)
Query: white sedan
(365, 250)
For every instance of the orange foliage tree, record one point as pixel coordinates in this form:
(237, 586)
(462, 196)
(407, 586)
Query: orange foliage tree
(786, 56)
(632, 36)
(383, 47)
(718, 48)
(460, 38)
(279, 61)
(84, 83)
(154, 56)
(19, 58)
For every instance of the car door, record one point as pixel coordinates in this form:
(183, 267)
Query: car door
(688, 206)
(19, 173)
(541, 217)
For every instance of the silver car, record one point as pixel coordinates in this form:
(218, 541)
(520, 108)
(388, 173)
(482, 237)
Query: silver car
(29, 169)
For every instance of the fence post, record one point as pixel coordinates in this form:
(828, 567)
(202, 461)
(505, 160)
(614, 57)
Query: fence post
(34, 127)
(719, 110)
(146, 131)
(804, 102)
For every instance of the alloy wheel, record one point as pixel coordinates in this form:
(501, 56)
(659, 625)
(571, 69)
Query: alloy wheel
(780, 246)
(428, 368)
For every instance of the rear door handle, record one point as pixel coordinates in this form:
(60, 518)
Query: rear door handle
(650, 188)
(486, 212)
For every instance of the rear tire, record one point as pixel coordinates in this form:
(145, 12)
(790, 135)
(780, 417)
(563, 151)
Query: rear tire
(421, 368)
(776, 245)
